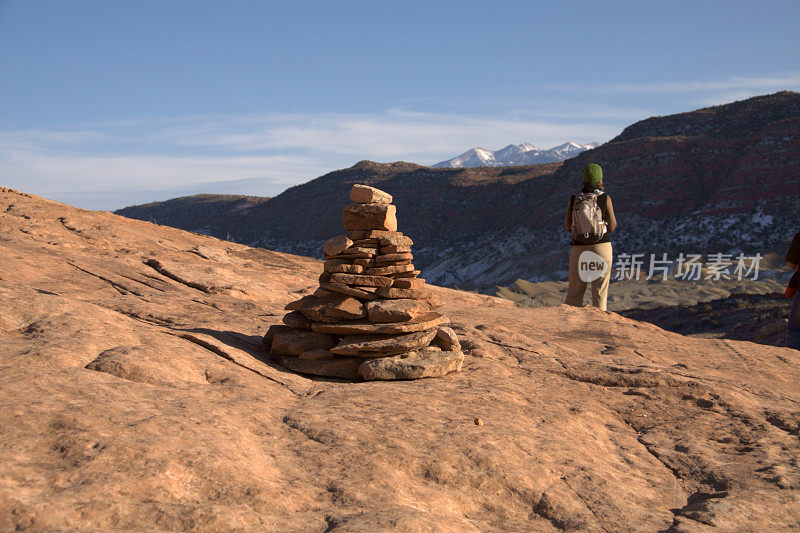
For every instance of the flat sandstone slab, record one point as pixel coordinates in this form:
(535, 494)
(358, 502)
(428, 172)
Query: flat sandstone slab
(394, 292)
(399, 310)
(395, 249)
(298, 341)
(428, 321)
(358, 250)
(391, 269)
(344, 269)
(297, 320)
(383, 345)
(330, 308)
(350, 291)
(372, 243)
(334, 367)
(370, 217)
(351, 256)
(411, 274)
(336, 245)
(364, 281)
(364, 194)
(425, 363)
(408, 283)
(384, 234)
(394, 258)
(395, 240)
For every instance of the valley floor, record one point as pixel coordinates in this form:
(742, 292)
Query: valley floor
(747, 310)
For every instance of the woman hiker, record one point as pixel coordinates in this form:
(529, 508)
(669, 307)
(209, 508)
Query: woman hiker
(590, 218)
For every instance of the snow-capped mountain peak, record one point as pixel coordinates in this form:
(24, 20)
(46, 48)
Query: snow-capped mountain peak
(475, 157)
(514, 155)
(513, 150)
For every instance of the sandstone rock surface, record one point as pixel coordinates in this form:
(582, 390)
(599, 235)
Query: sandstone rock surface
(446, 339)
(395, 310)
(408, 283)
(297, 320)
(411, 274)
(361, 280)
(350, 291)
(337, 245)
(423, 363)
(374, 345)
(394, 258)
(394, 249)
(364, 194)
(345, 269)
(334, 367)
(369, 216)
(132, 399)
(394, 239)
(329, 308)
(389, 270)
(297, 342)
(396, 292)
(358, 327)
(316, 353)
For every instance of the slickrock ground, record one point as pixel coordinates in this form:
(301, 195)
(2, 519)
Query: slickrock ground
(134, 393)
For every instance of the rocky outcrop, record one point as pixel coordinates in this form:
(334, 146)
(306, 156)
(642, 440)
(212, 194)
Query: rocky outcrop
(133, 400)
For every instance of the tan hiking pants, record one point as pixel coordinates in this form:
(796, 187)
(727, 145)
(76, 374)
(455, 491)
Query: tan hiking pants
(577, 287)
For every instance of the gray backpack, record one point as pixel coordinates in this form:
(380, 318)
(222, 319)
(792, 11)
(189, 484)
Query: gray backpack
(588, 226)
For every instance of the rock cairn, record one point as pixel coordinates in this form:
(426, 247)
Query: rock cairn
(371, 316)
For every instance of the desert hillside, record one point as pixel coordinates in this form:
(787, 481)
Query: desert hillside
(135, 394)
(197, 212)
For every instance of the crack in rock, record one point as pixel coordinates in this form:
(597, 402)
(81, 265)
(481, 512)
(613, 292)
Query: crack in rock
(119, 287)
(214, 347)
(156, 265)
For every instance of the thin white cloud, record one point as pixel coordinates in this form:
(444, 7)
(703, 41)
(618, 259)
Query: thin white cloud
(67, 177)
(182, 154)
(421, 137)
(745, 85)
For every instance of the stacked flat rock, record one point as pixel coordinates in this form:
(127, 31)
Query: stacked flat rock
(372, 317)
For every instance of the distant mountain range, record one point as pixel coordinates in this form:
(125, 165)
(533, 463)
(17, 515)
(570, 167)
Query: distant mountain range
(515, 155)
(719, 179)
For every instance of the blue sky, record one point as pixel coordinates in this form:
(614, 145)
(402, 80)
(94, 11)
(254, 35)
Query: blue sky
(108, 103)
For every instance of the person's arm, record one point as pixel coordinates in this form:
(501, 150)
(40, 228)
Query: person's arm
(568, 216)
(793, 256)
(612, 219)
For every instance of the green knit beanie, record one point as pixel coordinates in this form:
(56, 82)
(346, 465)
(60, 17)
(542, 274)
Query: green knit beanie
(592, 174)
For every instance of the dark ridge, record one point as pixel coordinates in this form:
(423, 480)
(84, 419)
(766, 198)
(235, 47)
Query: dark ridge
(201, 213)
(728, 120)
